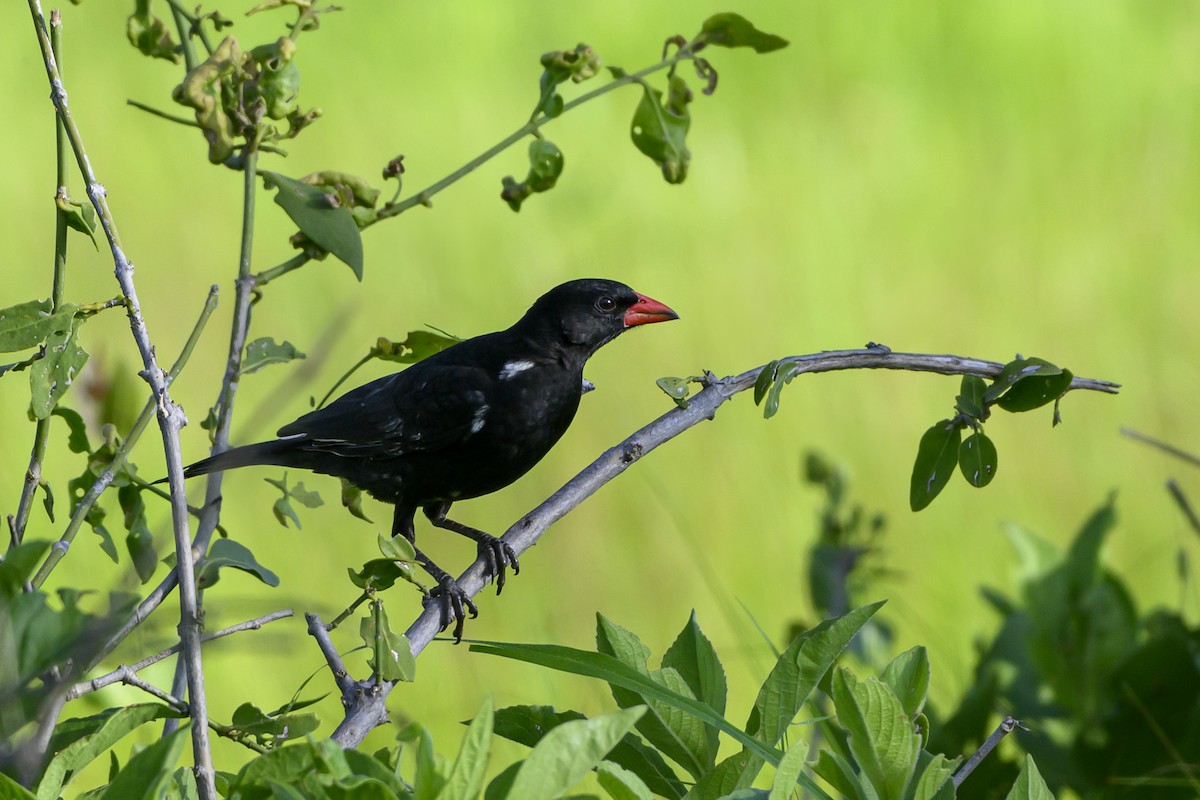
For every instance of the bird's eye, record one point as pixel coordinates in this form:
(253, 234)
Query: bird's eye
(606, 304)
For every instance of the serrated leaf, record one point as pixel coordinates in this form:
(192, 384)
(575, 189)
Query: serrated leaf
(883, 741)
(734, 30)
(908, 676)
(569, 752)
(937, 456)
(265, 351)
(661, 134)
(933, 773)
(28, 324)
(694, 658)
(52, 375)
(228, 553)
(977, 458)
(332, 228)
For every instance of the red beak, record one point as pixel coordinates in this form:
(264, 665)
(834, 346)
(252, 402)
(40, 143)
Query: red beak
(647, 310)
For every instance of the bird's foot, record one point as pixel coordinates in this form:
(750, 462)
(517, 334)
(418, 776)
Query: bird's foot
(454, 604)
(497, 554)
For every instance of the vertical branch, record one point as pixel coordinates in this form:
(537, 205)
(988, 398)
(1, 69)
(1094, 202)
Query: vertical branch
(33, 475)
(170, 418)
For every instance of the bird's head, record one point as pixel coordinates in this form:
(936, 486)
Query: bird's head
(590, 312)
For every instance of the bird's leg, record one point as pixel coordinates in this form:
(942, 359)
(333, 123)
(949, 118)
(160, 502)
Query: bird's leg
(451, 597)
(496, 553)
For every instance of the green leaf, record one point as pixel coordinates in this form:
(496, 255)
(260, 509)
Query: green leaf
(933, 771)
(1018, 370)
(908, 677)
(569, 752)
(528, 724)
(150, 35)
(937, 455)
(396, 548)
(620, 783)
(150, 770)
(783, 377)
(734, 30)
(693, 657)
(882, 738)
(417, 346)
(139, 541)
(79, 216)
(789, 770)
(265, 351)
(837, 772)
(970, 399)
(19, 565)
(465, 781)
(1029, 784)
(560, 66)
(283, 507)
(764, 381)
(11, 790)
(379, 574)
(391, 656)
(272, 729)
(102, 732)
(228, 553)
(28, 324)
(77, 439)
(352, 498)
(676, 388)
(545, 164)
(609, 669)
(1035, 391)
(51, 376)
(977, 458)
(660, 133)
(329, 226)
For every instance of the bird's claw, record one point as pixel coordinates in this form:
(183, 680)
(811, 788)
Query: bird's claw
(453, 601)
(498, 554)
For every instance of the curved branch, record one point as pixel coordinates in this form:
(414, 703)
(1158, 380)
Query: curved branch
(365, 708)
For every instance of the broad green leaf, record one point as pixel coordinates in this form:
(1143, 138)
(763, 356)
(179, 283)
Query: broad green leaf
(882, 738)
(933, 772)
(52, 375)
(379, 574)
(799, 669)
(569, 752)
(734, 30)
(528, 724)
(28, 324)
(285, 765)
(149, 770)
(764, 381)
(737, 771)
(908, 676)
(391, 656)
(1035, 391)
(609, 669)
(465, 781)
(937, 456)
(11, 790)
(660, 133)
(228, 553)
(693, 657)
(620, 783)
(396, 548)
(265, 351)
(103, 731)
(789, 770)
(139, 541)
(1029, 784)
(1017, 370)
(330, 226)
(978, 460)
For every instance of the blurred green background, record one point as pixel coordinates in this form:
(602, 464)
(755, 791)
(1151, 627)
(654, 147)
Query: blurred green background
(978, 179)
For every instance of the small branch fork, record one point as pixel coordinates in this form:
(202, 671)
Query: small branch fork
(365, 699)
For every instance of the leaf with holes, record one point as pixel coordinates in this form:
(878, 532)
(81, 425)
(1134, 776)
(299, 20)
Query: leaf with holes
(265, 351)
(977, 458)
(28, 324)
(937, 456)
(51, 376)
(661, 133)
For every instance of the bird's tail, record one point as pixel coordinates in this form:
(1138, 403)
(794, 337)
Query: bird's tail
(278, 452)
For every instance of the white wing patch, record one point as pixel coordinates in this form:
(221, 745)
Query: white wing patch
(514, 368)
(477, 420)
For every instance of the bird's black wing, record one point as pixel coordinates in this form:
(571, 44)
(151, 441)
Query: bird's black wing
(424, 408)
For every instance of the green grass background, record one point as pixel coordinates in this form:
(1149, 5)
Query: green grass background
(979, 179)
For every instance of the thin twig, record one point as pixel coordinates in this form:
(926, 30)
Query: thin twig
(101, 483)
(191, 123)
(95, 684)
(170, 416)
(1006, 726)
(1161, 445)
(365, 709)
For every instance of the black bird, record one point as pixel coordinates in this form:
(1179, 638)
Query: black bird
(462, 423)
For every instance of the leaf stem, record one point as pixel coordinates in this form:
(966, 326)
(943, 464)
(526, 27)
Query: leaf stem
(181, 120)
